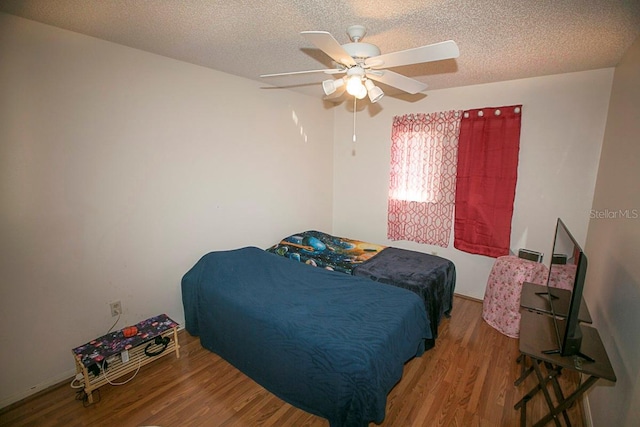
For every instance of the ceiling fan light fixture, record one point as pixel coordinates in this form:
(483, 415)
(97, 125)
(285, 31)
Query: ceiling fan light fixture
(354, 85)
(375, 93)
(331, 85)
(361, 93)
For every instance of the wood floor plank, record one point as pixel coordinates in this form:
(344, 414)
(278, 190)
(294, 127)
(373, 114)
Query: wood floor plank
(466, 380)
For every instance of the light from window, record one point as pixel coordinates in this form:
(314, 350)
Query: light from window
(417, 169)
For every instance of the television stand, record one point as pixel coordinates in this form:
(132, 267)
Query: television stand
(537, 333)
(578, 355)
(547, 294)
(536, 297)
(575, 343)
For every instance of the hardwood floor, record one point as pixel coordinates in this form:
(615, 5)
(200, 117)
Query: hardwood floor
(466, 380)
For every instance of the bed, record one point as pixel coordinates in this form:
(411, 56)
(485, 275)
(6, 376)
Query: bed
(432, 277)
(329, 343)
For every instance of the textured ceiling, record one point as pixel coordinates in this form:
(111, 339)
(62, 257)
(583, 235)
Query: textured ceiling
(498, 39)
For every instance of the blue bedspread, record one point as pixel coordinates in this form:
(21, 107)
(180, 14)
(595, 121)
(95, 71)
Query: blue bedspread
(329, 343)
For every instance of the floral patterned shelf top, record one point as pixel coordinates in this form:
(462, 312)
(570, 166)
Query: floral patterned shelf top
(98, 349)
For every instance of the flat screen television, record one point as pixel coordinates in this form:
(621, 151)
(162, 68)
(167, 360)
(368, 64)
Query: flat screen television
(567, 270)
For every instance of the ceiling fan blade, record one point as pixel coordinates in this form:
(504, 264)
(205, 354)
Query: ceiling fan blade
(433, 52)
(329, 45)
(290, 73)
(398, 81)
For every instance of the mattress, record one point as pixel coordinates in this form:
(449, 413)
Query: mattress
(329, 343)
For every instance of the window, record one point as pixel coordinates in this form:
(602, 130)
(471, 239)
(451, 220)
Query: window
(423, 177)
(419, 156)
(467, 160)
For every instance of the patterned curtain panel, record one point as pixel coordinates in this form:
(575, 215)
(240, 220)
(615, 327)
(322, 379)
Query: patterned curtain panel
(424, 150)
(487, 174)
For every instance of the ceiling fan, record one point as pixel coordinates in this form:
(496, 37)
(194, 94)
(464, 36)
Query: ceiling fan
(363, 63)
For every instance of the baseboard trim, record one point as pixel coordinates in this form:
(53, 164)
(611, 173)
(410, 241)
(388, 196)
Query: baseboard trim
(467, 297)
(586, 411)
(51, 382)
(66, 376)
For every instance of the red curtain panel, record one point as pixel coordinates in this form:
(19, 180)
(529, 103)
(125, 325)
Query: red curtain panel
(486, 179)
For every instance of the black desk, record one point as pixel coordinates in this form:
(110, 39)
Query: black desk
(537, 334)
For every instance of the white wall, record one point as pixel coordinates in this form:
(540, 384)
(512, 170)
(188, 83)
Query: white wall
(563, 125)
(612, 288)
(118, 170)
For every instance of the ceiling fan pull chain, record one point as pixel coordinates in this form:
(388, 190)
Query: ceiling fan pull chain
(354, 118)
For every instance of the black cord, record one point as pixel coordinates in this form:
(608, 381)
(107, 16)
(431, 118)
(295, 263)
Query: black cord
(161, 341)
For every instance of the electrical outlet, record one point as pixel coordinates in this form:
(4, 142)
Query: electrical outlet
(116, 308)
